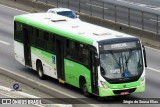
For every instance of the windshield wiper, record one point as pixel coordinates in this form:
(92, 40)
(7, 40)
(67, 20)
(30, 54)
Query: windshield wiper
(126, 59)
(114, 57)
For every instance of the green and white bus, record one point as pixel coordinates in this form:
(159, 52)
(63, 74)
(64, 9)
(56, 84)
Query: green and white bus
(95, 59)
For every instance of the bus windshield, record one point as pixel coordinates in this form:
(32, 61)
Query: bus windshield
(121, 64)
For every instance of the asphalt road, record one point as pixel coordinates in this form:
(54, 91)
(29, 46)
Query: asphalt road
(152, 3)
(7, 61)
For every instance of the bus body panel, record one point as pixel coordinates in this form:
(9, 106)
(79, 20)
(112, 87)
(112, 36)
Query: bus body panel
(19, 52)
(132, 87)
(73, 71)
(49, 65)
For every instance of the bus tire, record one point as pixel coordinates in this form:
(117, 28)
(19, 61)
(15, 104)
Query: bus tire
(41, 75)
(83, 86)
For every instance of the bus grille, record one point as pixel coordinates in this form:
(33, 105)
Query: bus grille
(127, 90)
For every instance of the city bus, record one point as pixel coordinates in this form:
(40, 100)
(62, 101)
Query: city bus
(95, 59)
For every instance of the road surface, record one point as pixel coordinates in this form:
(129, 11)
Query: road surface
(7, 61)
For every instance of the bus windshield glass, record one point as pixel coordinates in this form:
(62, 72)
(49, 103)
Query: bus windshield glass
(122, 63)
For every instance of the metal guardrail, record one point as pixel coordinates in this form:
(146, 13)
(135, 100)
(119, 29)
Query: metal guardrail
(118, 11)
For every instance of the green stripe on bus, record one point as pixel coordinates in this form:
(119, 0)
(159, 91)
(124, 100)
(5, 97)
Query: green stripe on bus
(44, 56)
(74, 70)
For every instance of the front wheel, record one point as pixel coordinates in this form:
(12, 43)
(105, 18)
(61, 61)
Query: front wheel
(84, 88)
(40, 71)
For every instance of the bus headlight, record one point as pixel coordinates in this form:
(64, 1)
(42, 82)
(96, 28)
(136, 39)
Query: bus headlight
(142, 80)
(103, 84)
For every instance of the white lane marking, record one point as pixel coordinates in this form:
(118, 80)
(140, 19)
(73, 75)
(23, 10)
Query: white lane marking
(17, 92)
(95, 6)
(87, 4)
(152, 48)
(140, 4)
(6, 43)
(153, 69)
(40, 84)
(12, 94)
(154, 20)
(14, 8)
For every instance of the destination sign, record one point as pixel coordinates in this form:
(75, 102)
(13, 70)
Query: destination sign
(118, 46)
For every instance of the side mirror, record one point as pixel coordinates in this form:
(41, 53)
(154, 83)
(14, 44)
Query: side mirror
(97, 60)
(144, 53)
(77, 16)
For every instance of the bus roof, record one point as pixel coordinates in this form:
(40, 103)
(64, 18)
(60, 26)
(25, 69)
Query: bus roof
(74, 29)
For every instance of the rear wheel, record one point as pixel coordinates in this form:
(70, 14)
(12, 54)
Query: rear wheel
(84, 87)
(40, 71)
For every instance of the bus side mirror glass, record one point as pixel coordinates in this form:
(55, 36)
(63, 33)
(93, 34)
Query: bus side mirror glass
(77, 16)
(97, 60)
(144, 53)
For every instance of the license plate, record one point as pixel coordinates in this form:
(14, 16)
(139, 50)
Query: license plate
(124, 93)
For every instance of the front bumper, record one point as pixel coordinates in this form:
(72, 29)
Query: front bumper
(103, 92)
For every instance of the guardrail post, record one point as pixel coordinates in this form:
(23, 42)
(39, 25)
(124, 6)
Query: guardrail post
(157, 25)
(129, 23)
(115, 14)
(57, 3)
(91, 7)
(46, 2)
(103, 10)
(79, 6)
(142, 20)
(68, 3)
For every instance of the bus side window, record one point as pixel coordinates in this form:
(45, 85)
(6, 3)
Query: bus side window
(51, 43)
(69, 49)
(84, 56)
(36, 37)
(18, 31)
(77, 52)
(40, 42)
(45, 40)
(33, 37)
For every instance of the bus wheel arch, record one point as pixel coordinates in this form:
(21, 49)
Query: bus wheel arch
(39, 68)
(83, 86)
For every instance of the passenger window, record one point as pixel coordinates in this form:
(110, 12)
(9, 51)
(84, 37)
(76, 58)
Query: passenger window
(51, 43)
(85, 56)
(40, 42)
(77, 52)
(70, 48)
(18, 27)
(18, 32)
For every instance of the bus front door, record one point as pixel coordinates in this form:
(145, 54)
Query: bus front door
(94, 75)
(60, 60)
(27, 47)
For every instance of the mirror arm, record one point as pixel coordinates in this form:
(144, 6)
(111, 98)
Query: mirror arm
(144, 53)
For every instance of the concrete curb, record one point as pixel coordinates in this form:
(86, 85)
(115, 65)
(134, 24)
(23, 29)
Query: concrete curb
(42, 87)
(28, 82)
(8, 90)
